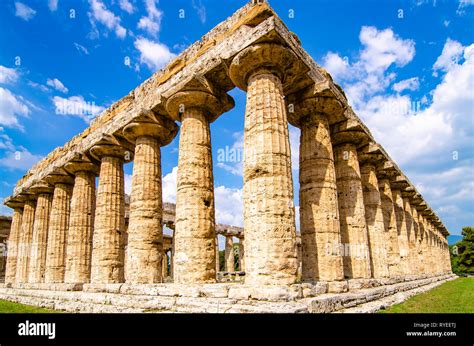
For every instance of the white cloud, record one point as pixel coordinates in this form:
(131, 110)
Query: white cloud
(41, 87)
(57, 84)
(169, 186)
(368, 75)
(23, 11)
(462, 6)
(53, 5)
(101, 14)
(450, 56)
(76, 106)
(8, 75)
(127, 6)
(229, 206)
(81, 48)
(407, 84)
(295, 147)
(11, 107)
(151, 23)
(128, 183)
(153, 54)
(337, 66)
(200, 10)
(21, 159)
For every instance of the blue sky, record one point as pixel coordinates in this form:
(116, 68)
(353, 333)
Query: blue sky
(406, 67)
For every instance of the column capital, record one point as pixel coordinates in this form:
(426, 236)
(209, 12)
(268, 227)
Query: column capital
(164, 130)
(267, 58)
(99, 151)
(54, 179)
(15, 202)
(350, 131)
(213, 104)
(41, 187)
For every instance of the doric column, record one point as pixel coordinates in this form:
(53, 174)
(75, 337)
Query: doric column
(109, 224)
(319, 214)
(13, 240)
(58, 228)
(421, 242)
(351, 211)
(39, 238)
(229, 254)
(24, 244)
(269, 213)
(402, 230)
(218, 267)
(410, 233)
(194, 240)
(145, 230)
(415, 240)
(241, 255)
(374, 219)
(81, 222)
(164, 266)
(390, 225)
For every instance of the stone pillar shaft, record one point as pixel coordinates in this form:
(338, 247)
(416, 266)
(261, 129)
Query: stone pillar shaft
(319, 214)
(352, 212)
(390, 225)
(145, 231)
(109, 226)
(269, 215)
(218, 266)
(25, 241)
(12, 246)
(410, 235)
(375, 222)
(402, 231)
(194, 257)
(229, 254)
(39, 239)
(241, 255)
(81, 225)
(57, 234)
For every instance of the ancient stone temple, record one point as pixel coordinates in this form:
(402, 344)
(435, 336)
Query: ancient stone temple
(367, 237)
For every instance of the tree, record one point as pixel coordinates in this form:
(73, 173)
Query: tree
(464, 263)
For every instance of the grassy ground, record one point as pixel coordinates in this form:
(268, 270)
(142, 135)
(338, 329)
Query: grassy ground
(455, 296)
(9, 307)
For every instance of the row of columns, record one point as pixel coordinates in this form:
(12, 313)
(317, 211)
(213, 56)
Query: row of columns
(346, 199)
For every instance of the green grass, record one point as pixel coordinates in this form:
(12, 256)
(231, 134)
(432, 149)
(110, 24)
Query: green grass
(7, 307)
(455, 296)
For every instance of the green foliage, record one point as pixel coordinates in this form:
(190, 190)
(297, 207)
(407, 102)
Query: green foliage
(462, 253)
(10, 307)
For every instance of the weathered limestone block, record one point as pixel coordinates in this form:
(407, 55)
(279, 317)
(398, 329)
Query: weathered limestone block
(319, 214)
(218, 264)
(145, 231)
(390, 226)
(269, 215)
(375, 222)
(194, 238)
(58, 228)
(81, 223)
(25, 240)
(352, 212)
(402, 232)
(13, 241)
(109, 223)
(39, 240)
(229, 254)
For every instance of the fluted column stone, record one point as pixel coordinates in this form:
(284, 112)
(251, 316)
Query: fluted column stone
(107, 263)
(352, 212)
(402, 231)
(13, 241)
(229, 254)
(39, 238)
(81, 222)
(319, 214)
(58, 228)
(241, 255)
(375, 221)
(145, 231)
(25, 240)
(194, 240)
(269, 213)
(390, 224)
